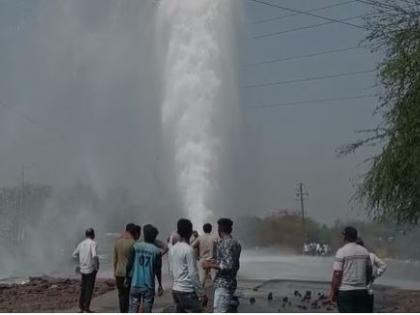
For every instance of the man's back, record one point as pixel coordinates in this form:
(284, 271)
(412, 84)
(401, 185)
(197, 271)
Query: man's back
(228, 255)
(353, 260)
(183, 267)
(87, 251)
(147, 261)
(206, 246)
(121, 253)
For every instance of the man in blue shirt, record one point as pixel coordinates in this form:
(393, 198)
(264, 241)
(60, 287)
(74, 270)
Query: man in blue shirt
(144, 263)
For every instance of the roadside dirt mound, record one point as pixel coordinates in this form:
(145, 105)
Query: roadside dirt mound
(46, 294)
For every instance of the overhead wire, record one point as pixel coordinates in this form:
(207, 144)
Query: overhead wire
(309, 55)
(306, 27)
(308, 14)
(314, 101)
(294, 14)
(379, 4)
(314, 78)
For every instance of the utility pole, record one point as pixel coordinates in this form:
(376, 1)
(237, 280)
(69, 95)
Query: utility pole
(21, 217)
(301, 194)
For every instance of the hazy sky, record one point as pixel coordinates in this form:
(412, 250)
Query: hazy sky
(78, 95)
(297, 142)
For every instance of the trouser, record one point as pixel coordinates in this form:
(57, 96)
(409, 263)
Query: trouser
(371, 301)
(354, 301)
(225, 301)
(123, 294)
(86, 290)
(204, 273)
(141, 294)
(186, 302)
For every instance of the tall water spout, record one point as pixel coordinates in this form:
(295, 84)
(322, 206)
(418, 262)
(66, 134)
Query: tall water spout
(194, 36)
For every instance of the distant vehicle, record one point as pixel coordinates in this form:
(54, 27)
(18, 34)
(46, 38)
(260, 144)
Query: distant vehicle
(316, 249)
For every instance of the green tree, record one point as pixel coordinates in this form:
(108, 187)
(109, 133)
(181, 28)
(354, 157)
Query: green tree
(391, 187)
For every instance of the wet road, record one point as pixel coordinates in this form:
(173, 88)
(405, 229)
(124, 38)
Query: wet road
(267, 264)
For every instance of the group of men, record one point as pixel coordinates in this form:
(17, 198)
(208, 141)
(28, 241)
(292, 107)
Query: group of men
(137, 262)
(193, 259)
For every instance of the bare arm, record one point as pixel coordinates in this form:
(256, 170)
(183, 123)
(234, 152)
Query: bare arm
(115, 259)
(192, 270)
(335, 284)
(159, 272)
(76, 252)
(337, 275)
(196, 243)
(130, 263)
(163, 247)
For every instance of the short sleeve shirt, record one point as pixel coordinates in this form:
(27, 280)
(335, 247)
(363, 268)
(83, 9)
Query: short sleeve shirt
(147, 261)
(86, 251)
(228, 255)
(353, 260)
(206, 246)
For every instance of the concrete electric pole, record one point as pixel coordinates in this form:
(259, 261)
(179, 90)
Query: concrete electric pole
(301, 194)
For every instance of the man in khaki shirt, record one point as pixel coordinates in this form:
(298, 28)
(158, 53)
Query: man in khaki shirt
(206, 246)
(121, 253)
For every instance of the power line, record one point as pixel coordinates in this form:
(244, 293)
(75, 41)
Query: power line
(325, 52)
(314, 101)
(294, 14)
(316, 78)
(306, 27)
(307, 13)
(378, 4)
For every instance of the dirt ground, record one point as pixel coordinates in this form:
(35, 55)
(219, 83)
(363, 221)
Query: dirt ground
(45, 294)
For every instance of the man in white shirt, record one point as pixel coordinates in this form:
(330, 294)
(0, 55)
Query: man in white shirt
(351, 276)
(89, 266)
(187, 291)
(206, 246)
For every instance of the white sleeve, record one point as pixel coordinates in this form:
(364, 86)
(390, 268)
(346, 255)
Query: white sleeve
(380, 266)
(338, 261)
(94, 247)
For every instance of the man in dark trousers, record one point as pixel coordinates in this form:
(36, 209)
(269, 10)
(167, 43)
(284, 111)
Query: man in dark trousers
(86, 252)
(121, 253)
(351, 276)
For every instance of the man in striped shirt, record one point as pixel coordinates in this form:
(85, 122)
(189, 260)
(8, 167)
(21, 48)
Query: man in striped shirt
(351, 276)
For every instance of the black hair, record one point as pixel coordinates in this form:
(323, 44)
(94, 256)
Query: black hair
(350, 234)
(130, 228)
(150, 233)
(360, 242)
(207, 228)
(225, 225)
(90, 233)
(137, 232)
(185, 228)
